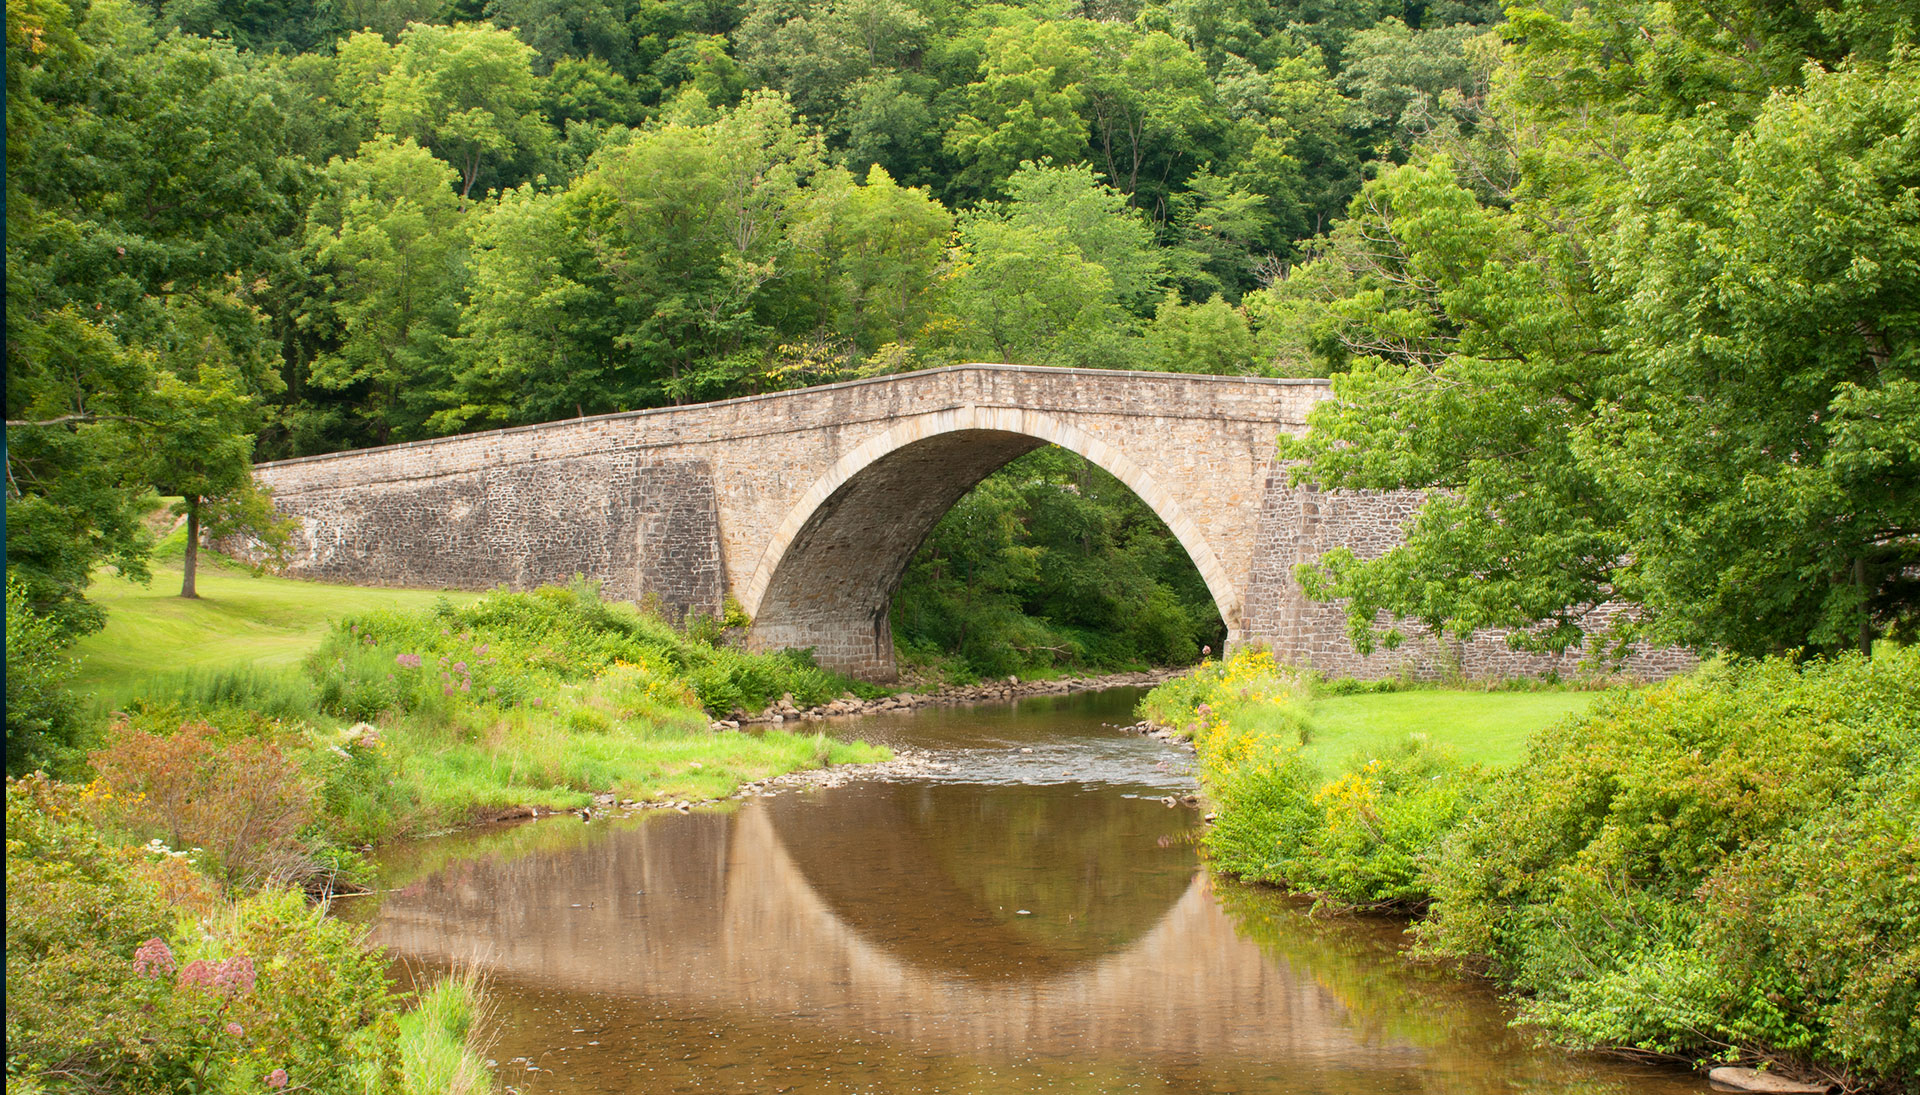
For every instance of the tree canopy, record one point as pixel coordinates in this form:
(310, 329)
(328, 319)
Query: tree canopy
(1628, 286)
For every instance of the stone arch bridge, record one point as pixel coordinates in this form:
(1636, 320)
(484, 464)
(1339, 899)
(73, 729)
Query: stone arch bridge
(807, 505)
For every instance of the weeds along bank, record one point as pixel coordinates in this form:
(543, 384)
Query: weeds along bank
(1722, 867)
(131, 969)
(157, 935)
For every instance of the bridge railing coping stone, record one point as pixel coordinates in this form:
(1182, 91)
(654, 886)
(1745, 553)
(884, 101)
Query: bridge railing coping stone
(790, 393)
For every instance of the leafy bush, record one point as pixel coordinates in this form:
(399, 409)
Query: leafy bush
(77, 909)
(43, 725)
(511, 651)
(1359, 839)
(111, 988)
(242, 799)
(362, 797)
(1724, 863)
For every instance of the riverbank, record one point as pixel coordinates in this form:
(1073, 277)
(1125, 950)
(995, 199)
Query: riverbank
(1720, 868)
(154, 898)
(1001, 691)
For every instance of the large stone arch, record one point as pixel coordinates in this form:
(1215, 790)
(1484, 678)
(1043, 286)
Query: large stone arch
(829, 572)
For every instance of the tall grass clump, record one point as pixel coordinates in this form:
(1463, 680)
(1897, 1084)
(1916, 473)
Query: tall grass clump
(1725, 865)
(444, 1039)
(278, 693)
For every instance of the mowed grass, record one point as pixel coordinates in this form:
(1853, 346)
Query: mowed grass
(1482, 727)
(238, 620)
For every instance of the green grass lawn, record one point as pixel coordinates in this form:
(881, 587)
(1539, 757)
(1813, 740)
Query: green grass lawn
(239, 619)
(1484, 727)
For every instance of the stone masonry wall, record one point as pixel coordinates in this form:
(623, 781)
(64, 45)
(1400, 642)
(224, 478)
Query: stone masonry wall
(1297, 525)
(640, 527)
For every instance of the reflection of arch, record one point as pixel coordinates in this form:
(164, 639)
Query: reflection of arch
(831, 567)
(712, 911)
(932, 873)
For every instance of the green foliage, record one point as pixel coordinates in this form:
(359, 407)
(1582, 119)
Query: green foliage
(547, 650)
(442, 1040)
(1647, 875)
(1359, 839)
(1052, 563)
(389, 231)
(466, 92)
(76, 910)
(1721, 866)
(43, 721)
(108, 991)
(1663, 360)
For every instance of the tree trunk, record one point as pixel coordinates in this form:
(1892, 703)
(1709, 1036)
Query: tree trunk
(192, 558)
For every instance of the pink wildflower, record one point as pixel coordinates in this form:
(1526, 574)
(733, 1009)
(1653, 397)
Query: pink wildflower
(481, 649)
(277, 1079)
(446, 690)
(236, 1029)
(410, 661)
(459, 667)
(236, 975)
(153, 959)
(198, 973)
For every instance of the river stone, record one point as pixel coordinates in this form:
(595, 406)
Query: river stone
(1751, 1079)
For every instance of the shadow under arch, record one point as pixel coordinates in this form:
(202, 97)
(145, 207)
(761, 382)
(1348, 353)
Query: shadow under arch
(833, 564)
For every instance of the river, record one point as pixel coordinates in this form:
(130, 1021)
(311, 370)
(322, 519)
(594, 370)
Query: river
(1031, 915)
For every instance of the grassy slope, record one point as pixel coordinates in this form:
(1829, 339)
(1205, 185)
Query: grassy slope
(272, 623)
(238, 620)
(1483, 727)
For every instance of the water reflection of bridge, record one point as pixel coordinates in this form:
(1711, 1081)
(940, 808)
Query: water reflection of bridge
(716, 911)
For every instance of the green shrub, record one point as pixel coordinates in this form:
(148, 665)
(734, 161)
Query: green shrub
(1361, 838)
(1720, 864)
(510, 651)
(112, 987)
(43, 723)
(77, 909)
(361, 796)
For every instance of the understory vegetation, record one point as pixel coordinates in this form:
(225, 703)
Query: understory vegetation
(159, 935)
(1721, 867)
(1051, 565)
(130, 969)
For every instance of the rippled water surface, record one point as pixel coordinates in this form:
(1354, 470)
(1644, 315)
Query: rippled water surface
(1030, 917)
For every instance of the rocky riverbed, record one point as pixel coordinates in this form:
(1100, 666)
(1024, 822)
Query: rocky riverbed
(994, 691)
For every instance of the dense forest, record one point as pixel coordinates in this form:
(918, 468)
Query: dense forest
(265, 231)
(1634, 284)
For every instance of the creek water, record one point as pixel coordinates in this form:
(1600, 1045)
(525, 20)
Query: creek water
(1029, 916)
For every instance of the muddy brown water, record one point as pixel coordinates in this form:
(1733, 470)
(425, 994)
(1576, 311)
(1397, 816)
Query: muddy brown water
(1030, 917)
